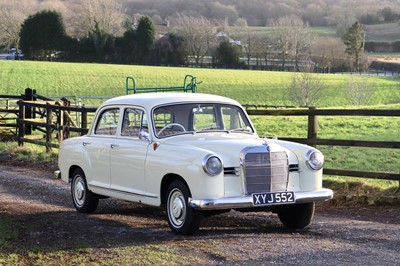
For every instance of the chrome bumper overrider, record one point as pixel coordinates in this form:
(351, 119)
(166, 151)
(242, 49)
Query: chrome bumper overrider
(247, 201)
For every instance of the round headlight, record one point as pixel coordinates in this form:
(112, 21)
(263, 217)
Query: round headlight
(212, 165)
(315, 159)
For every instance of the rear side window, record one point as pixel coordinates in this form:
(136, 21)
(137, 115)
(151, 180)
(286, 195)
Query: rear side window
(108, 122)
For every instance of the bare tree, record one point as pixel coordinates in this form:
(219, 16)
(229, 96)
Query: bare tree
(198, 33)
(11, 19)
(241, 22)
(301, 40)
(282, 37)
(106, 15)
(293, 37)
(306, 86)
(360, 90)
(329, 52)
(249, 44)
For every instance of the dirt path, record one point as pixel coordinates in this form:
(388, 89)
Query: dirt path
(44, 218)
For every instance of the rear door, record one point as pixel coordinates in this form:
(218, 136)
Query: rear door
(98, 147)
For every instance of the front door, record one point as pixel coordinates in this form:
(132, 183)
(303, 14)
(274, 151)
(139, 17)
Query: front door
(128, 155)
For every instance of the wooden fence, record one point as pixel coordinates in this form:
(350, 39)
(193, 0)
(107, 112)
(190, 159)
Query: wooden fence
(313, 140)
(8, 115)
(51, 117)
(56, 119)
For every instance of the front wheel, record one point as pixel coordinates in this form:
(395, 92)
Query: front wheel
(182, 219)
(84, 200)
(297, 216)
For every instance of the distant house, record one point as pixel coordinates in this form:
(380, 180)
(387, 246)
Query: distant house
(222, 36)
(162, 29)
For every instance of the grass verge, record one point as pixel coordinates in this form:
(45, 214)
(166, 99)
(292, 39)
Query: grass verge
(28, 155)
(145, 254)
(7, 232)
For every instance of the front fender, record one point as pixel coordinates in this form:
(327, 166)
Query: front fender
(185, 162)
(310, 180)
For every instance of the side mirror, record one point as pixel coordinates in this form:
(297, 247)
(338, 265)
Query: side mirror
(144, 135)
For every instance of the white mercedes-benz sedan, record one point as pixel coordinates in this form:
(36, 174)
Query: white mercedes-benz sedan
(194, 154)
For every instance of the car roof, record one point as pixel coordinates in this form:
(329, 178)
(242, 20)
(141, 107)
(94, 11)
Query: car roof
(150, 100)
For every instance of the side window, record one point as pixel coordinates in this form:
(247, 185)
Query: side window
(108, 122)
(134, 121)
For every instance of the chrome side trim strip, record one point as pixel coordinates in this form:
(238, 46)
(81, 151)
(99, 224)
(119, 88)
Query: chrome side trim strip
(247, 201)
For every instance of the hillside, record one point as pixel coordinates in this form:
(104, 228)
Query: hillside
(388, 32)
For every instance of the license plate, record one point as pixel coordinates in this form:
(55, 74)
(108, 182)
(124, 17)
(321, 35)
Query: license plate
(273, 198)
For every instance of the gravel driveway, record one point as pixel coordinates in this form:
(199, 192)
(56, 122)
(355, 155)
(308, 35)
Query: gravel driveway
(45, 218)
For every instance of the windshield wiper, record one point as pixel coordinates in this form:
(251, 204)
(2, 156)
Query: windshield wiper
(244, 130)
(212, 128)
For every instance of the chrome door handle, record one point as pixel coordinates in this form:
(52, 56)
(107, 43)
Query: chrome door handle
(114, 146)
(85, 143)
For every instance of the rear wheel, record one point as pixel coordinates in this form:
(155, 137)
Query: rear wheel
(297, 216)
(182, 219)
(84, 200)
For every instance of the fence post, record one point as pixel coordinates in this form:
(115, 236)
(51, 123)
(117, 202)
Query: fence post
(49, 118)
(21, 124)
(312, 127)
(65, 119)
(60, 123)
(28, 111)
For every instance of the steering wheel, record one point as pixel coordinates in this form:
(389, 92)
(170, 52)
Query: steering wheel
(170, 126)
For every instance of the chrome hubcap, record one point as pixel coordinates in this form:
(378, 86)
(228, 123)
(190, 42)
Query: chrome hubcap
(79, 191)
(177, 208)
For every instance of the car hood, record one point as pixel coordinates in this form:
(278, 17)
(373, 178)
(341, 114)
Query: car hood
(227, 145)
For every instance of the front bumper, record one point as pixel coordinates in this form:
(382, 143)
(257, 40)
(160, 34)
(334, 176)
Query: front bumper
(247, 201)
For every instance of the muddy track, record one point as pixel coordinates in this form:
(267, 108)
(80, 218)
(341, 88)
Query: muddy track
(46, 219)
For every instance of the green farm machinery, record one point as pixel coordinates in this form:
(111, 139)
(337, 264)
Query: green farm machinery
(189, 85)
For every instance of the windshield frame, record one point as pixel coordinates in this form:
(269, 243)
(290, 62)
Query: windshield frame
(249, 129)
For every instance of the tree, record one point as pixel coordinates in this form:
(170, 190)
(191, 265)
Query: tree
(100, 41)
(170, 50)
(127, 46)
(353, 39)
(293, 38)
(10, 26)
(359, 90)
(104, 14)
(282, 37)
(306, 86)
(102, 20)
(145, 33)
(43, 34)
(249, 44)
(228, 55)
(198, 33)
(329, 52)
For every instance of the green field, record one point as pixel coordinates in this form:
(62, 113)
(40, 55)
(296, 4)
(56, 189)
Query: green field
(388, 32)
(246, 86)
(262, 32)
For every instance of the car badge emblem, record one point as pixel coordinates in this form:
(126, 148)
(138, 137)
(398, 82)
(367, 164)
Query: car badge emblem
(267, 147)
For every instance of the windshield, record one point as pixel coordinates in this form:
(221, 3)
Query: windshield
(198, 118)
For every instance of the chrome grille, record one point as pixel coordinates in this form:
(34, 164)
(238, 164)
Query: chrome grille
(265, 171)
